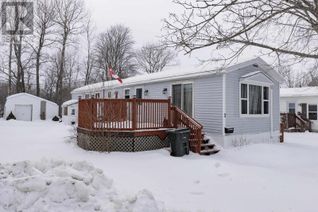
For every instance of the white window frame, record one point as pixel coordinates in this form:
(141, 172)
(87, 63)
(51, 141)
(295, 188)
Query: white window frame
(265, 100)
(294, 108)
(124, 94)
(248, 115)
(308, 111)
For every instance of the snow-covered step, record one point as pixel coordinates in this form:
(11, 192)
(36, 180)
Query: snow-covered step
(209, 151)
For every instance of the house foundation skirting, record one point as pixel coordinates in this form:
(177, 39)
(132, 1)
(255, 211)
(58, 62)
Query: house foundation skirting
(121, 141)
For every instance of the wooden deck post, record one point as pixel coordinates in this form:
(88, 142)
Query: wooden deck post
(134, 114)
(282, 131)
(169, 112)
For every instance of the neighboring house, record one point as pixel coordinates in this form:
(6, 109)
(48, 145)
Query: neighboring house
(70, 112)
(243, 98)
(302, 101)
(26, 107)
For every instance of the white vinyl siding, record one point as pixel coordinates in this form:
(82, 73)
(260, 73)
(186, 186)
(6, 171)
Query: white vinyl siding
(250, 123)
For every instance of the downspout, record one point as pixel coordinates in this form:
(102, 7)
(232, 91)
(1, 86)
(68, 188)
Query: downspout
(223, 103)
(271, 115)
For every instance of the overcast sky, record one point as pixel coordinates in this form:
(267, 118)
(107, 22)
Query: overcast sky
(145, 19)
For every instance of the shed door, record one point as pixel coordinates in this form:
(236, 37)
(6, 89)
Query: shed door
(43, 110)
(23, 112)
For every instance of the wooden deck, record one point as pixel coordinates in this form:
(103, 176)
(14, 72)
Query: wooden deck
(295, 122)
(137, 117)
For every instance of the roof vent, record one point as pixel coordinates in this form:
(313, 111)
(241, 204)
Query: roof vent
(255, 65)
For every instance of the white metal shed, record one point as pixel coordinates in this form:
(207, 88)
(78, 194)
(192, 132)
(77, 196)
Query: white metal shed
(27, 107)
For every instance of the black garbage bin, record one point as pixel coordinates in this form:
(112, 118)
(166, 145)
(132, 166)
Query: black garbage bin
(179, 141)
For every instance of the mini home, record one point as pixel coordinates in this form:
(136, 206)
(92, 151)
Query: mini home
(301, 101)
(27, 107)
(70, 112)
(235, 105)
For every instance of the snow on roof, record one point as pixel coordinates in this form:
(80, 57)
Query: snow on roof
(30, 95)
(174, 73)
(148, 78)
(299, 92)
(70, 102)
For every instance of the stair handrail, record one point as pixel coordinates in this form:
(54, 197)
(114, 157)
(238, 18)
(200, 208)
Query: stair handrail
(194, 126)
(305, 123)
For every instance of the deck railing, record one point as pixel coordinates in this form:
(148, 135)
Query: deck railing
(296, 121)
(124, 114)
(98, 115)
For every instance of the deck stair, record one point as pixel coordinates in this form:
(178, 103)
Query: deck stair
(198, 142)
(208, 148)
(295, 122)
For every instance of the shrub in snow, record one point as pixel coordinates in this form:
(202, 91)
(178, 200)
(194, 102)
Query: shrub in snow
(55, 118)
(11, 116)
(62, 186)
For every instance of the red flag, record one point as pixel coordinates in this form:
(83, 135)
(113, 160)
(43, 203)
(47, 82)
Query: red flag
(112, 74)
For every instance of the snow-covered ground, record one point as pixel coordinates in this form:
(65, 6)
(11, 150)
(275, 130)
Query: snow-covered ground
(261, 177)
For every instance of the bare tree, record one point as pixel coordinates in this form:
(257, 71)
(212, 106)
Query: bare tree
(43, 25)
(70, 15)
(90, 58)
(287, 27)
(289, 75)
(114, 48)
(153, 58)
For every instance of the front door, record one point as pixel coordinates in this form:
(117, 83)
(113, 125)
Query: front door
(182, 97)
(304, 110)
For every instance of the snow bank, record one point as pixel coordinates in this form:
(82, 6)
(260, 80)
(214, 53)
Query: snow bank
(62, 186)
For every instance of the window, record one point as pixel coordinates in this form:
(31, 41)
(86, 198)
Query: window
(73, 112)
(109, 94)
(243, 99)
(291, 108)
(116, 94)
(177, 95)
(104, 93)
(266, 100)
(182, 97)
(127, 94)
(97, 95)
(86, 96)
(65, 111)
(187, 98)
(312, 112)
(254, 99)
(139, 93)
